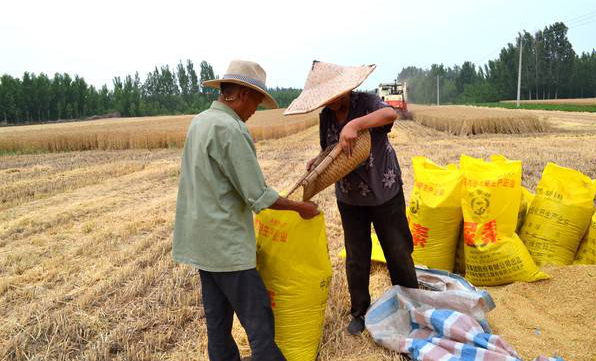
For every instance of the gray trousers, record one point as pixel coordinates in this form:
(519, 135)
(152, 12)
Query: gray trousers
(243, 293)
(395, 238)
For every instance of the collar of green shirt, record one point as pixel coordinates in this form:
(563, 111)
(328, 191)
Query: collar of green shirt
(217, 105)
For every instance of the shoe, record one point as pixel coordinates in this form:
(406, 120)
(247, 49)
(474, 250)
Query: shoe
(356, 326)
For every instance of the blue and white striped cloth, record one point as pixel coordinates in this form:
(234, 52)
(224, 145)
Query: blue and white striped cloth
(445, 323)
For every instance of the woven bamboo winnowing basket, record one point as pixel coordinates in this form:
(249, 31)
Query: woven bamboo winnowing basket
(332, 165)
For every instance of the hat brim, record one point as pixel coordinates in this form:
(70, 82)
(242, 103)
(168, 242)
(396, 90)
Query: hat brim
(268, 101)
(325, 83)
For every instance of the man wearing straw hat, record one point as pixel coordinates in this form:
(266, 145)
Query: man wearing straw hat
(221, 185)
(371, 193)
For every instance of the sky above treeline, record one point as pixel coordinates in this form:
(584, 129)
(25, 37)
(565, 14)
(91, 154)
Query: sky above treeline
(102, 39)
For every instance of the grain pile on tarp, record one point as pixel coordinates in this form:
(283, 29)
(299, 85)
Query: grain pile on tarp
(552, 316)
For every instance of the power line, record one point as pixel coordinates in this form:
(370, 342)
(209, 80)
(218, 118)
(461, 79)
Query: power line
(584, 23)
(587, 19)
(570, 20)
(572, 23)
(488, 56)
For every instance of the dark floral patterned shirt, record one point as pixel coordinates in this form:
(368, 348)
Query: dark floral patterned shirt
(378, 179)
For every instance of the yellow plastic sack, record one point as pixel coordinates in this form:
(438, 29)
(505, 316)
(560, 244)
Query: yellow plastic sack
(526, 196)
(376, 253)
(491, 194)
(586, 254)
(558, 216)
(293, 261)
(460, 260)
(434, 213)
(524, 207)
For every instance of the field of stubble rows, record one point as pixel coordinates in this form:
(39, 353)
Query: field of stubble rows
(85, 241)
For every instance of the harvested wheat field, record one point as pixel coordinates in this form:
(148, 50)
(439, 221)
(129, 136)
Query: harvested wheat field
(470, 120)
(578, 101)
(134, 133)
(86, 271)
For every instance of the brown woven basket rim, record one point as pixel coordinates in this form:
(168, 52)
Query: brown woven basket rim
(333, 164)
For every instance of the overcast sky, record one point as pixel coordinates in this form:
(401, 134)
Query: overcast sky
(101, 39)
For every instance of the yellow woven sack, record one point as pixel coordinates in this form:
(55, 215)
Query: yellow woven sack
(586, 254)
(526, 200)
(434, 213)
(376, 253)
(491, 194)
(459, 266)
(526, 196)
(558, 216)
(293, 261)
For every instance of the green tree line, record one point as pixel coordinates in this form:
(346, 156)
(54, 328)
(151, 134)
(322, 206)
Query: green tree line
(550, 70)
(39, 98)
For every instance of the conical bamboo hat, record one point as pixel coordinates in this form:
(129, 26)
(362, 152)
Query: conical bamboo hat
(326, 82)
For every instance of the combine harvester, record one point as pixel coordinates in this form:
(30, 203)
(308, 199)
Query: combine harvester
(394, 94)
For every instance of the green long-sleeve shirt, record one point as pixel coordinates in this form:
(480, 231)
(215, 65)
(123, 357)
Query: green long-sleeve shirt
(221, 185)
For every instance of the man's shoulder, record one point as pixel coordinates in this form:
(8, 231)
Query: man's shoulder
(217, 127)
(215, 116)
(216, 120)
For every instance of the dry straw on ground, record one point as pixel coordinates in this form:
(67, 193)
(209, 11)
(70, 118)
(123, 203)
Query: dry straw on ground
(550, 317)
(135, 133)
(471, 121)
(578, 101)
(85, 241)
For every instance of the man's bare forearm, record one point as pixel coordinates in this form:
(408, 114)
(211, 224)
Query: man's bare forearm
(306, 209)
(284, 204)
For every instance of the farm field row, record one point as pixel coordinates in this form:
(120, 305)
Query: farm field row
(460, 119)
(563, 107)
(85, 242)
(576, 101)
(135, 133)
(170, 131)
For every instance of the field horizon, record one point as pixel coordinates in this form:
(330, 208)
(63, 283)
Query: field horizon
(86, 270)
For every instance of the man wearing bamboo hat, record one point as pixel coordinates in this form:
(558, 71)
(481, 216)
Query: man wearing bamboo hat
(221, 185)
(372, 193)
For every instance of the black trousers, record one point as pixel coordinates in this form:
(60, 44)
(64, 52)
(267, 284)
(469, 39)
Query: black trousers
(244, 293)
(391, 226)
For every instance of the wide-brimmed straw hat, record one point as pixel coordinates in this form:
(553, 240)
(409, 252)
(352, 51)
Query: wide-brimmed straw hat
(330, 166)
(248, 74)
(325, 83)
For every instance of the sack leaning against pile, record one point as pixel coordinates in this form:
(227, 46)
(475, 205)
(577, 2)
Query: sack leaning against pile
(491, 196)
(434, 213)
(293, 261)
(586, 253)
(558, 216)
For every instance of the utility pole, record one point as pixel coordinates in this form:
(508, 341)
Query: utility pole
(519, 70)
(438, 103)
